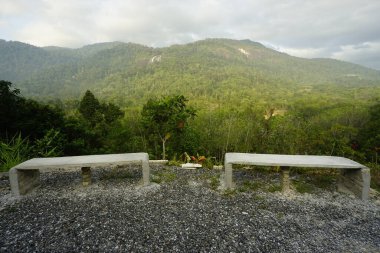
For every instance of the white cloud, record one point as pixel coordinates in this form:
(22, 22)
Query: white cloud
(305, 52)
(48, 35)
(298, 27)
(367, 53)
(12, 7)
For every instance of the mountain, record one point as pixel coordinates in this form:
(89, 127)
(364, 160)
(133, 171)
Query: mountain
(208, 70)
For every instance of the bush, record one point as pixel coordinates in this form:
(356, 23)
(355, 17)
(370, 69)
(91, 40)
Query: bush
(13, 152)
(375, 176)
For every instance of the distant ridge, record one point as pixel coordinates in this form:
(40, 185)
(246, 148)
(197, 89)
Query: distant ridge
(205, 65)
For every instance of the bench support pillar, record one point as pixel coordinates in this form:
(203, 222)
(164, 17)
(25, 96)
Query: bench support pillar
(228, 176)
(356, 181)
(285, 179)
(146, 172)
(23, 181)
(86, 176)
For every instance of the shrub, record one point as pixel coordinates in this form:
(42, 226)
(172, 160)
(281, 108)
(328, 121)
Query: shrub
(163, 176)
(13, 152)
(375, 176)
(214, 183)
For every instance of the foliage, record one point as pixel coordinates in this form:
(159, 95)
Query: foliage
(9, 100)
(19, 149)
(96, 113)
(274, 188)
(214, 183)
(174, 163)
(165, 117)
(50, 133)
(163, 176)
(266, 102)
(18, 114)
(117, 173)
(375, 176)
(186, 140)
(13, 152)
(370, 134)
(101, 129)
(50, 145)
(303, 187)
(249, 186)
(229, 192)
(198, 159)
(89, 107)
(209, 163)
(111, 112)
(208, 69)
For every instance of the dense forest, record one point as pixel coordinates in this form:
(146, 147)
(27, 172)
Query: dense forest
(204, 98)
(213, 70)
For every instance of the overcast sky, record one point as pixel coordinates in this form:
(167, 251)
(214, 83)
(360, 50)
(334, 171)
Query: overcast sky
(341, 29)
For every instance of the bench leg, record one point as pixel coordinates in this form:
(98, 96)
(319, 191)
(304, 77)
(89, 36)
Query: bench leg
(285, 179)
(146, 173)
(23, 181)
(228, 176)
(86, 176)
(356, 181)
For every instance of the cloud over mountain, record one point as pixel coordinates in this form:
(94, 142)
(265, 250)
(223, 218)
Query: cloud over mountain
(346, 30)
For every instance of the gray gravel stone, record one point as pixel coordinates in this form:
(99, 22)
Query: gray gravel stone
(116, 214)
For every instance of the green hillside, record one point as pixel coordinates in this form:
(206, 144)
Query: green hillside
(210, 70)
(246, 97)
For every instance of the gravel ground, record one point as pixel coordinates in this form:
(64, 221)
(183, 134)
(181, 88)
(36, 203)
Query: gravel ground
(181, 213)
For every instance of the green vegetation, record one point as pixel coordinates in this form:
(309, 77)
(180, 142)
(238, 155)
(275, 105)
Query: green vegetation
(303, 187)
(164, 118)
(249, 186)
(52, 131)
(324, 181)
(213, 70)
(260, 102)
(375, 176)
(214, 183)
(117, 173)
(13, 152)
(163, 176)
(39, 130)
(274, 188)
(229, 192)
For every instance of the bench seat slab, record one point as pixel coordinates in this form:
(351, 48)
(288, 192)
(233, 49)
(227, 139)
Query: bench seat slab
(355, 177)
(25, 176)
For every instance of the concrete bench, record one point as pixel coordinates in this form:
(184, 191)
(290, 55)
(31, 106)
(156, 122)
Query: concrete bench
(25, 176)
(355, 177)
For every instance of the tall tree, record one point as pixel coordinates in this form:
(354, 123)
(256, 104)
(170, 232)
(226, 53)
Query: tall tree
(96, 113)
(89, 107)
(111, 112)
(163, 117)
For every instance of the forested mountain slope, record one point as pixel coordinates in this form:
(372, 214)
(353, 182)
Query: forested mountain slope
(247, 98)
(214, 69)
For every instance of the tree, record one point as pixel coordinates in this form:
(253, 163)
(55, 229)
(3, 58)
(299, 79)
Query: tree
(90, 107)
(25, 116)
(111, 112)
(10, 102)
(99, 120)
(369, 135)
(96, 113)
(163, 117)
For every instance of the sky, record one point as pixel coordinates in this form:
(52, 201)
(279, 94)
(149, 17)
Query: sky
(346, 30)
